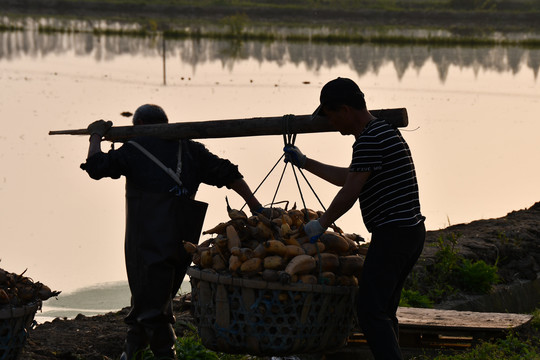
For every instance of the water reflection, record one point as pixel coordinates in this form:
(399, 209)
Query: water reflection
(466, 126)
(363, 58)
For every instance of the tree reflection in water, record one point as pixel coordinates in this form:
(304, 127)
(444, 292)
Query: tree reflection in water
(362, 58)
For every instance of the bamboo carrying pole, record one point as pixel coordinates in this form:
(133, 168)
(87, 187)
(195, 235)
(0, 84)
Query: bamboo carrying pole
(236, 127)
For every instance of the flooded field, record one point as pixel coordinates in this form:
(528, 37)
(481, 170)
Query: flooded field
(473, 130)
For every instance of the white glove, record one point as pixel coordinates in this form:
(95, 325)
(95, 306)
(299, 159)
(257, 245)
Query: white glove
(294, 156)
(313, 230)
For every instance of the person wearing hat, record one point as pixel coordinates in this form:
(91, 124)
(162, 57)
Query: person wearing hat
(381, 176)
(160, 213)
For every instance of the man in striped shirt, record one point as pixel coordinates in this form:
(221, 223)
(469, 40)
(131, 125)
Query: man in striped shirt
(382, 177)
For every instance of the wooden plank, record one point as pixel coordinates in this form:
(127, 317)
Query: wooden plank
(258, 126)
(419, 340)
(460, 320)
(435, 328)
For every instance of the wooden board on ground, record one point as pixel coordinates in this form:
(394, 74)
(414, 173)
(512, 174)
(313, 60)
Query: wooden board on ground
(450, 329)
(458, 321)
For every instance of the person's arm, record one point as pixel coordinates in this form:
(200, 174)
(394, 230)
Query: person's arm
(345, 198)
(333, 174)
(95, 145)
(99, 164)
(97, 129)
(242, 189)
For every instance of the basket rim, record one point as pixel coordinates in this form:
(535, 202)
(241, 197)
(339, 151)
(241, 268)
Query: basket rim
(228, 279)
(10, 311)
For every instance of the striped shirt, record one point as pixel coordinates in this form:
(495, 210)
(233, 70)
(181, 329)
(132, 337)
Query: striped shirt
(390, 196)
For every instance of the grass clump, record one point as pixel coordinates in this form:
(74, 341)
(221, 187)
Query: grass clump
(509, 348)
(535, 322)
(413, 298)
(477, 276)
(189, 347)
(449, 273)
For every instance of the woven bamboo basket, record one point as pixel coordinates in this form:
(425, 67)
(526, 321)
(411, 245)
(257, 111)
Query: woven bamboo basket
(243, 316)
(15, 322)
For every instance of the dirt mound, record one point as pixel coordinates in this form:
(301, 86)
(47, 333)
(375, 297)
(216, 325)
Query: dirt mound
(512, 242)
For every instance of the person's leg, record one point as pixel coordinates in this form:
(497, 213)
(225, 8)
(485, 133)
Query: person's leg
(157, 315)
(136, 338)
(136, 342)
(410, 246)
(378, 275)
(162, 342)
(387, 265)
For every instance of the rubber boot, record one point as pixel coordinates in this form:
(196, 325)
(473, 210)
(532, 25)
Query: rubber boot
(132, 353)
(136, 342)
(165, 354)
(162, 343)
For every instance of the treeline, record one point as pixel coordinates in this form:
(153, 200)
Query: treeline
(471, 22)
(334, 6)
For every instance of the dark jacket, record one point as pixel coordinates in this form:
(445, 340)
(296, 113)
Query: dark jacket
(155, 258)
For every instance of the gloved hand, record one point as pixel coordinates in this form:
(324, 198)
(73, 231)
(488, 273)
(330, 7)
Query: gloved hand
(266, 211)
(99, 127)
(259, 210)
(314, 230)
(294, 156)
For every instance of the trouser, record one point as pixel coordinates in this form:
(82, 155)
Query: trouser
(151, 316)
(156, 262)
(392, 253)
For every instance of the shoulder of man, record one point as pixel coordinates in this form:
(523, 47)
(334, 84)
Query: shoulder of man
(194, 146)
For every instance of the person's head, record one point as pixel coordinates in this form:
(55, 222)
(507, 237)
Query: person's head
(149, 114)
(339, 92)
(343, 104)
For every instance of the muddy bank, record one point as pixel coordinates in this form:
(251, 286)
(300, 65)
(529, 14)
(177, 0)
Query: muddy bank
(513, 244)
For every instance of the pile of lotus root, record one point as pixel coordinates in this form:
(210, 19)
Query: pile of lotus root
(273, 246)
(17, 290)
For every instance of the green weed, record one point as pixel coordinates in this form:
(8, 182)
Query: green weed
(535, 322)
(442, 273)
(449, 273)
(477, 276)
(413, 298)
(509, 348)
(189, 347)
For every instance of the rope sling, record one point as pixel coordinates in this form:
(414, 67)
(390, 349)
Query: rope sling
(289, 139)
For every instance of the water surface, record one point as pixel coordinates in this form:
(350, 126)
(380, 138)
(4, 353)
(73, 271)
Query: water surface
(473, 131)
